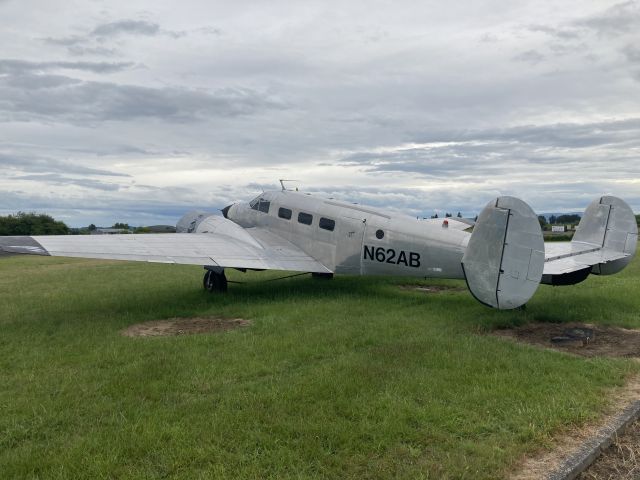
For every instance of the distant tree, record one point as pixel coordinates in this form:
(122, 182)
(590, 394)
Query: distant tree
(121, 226)
(142, 230)
(448, 215)
(459, 215)
(552, 219)
(543, 221)
(566, 219)
(31, 224)
(434, 216)
(92, 227)
(638, 220)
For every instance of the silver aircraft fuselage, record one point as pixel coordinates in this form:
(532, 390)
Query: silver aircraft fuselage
(354, 239)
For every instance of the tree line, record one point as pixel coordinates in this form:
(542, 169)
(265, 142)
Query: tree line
(23, 223)
(32, 224)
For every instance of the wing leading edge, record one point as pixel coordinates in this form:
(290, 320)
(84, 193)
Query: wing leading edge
(259, 249)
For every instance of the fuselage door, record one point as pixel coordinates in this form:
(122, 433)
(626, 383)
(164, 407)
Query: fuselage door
(349, 237)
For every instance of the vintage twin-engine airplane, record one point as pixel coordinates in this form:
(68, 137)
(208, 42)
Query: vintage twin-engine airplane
(503, 259)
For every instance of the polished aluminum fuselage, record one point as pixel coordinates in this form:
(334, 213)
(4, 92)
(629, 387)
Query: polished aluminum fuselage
(364, 241)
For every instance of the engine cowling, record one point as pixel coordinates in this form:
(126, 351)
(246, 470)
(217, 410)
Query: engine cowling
(190, 221)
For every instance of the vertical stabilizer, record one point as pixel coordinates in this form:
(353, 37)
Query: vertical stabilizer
(609, 223)
(504, 259)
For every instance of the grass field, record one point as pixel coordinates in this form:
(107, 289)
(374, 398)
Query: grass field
(349, 378)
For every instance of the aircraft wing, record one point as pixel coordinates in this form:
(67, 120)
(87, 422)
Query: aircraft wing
(228, 246)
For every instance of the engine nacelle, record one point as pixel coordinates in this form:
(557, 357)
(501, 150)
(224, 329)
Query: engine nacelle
(190, 222)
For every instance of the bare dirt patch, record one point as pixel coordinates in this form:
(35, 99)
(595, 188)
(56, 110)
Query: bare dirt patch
(620, 461)
(584, 339)
(431, 288)
(184, 326)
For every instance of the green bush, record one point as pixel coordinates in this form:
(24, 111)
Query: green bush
(31, 224)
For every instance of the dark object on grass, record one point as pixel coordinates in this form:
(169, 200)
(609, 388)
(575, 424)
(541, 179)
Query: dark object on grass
(574, 337)
(565, 341)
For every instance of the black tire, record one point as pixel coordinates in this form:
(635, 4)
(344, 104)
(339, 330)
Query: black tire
(206, 281)
(215, 282)
(220, 280)
(322, 276)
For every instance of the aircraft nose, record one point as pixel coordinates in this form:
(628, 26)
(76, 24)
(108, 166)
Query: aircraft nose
(225, 210)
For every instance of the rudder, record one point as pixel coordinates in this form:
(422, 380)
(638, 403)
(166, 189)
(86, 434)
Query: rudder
(609, 223)
(504, 259)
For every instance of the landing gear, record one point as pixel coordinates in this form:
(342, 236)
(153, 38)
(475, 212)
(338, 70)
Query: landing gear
(324, 276)
(214, 280)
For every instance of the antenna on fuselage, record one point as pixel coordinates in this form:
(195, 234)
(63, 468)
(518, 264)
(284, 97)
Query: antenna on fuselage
(282, 180)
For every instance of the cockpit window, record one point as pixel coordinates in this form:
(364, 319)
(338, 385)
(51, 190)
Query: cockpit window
(264, 205)
(254, 203)
(260, 204)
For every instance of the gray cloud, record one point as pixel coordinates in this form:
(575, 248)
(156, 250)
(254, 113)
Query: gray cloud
(530, 56)
(564, 33)
(491, 153)
(94, 42)
(15, 67)
(79, 50)
(62, 180)
(132, 27)
(620, 18)
(632, 52)
(39, 164)
(103, 31)
(58, 98)
(64, 41)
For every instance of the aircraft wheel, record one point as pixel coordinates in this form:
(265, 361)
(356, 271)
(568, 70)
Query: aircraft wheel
(206, 281)
(324, 276)
(215, 282)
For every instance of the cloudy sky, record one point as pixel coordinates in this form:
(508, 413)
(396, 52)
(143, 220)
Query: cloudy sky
(139, 110)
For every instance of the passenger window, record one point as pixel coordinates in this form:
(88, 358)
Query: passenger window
(327, 224)
(284, 213)
(305, 218)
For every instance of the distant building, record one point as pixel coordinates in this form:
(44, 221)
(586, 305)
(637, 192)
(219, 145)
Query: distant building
(557, 228)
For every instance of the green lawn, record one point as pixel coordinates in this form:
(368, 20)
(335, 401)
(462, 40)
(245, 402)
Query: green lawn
(350, 378)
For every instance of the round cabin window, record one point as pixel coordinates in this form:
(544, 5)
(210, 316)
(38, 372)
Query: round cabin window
(379, 234)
